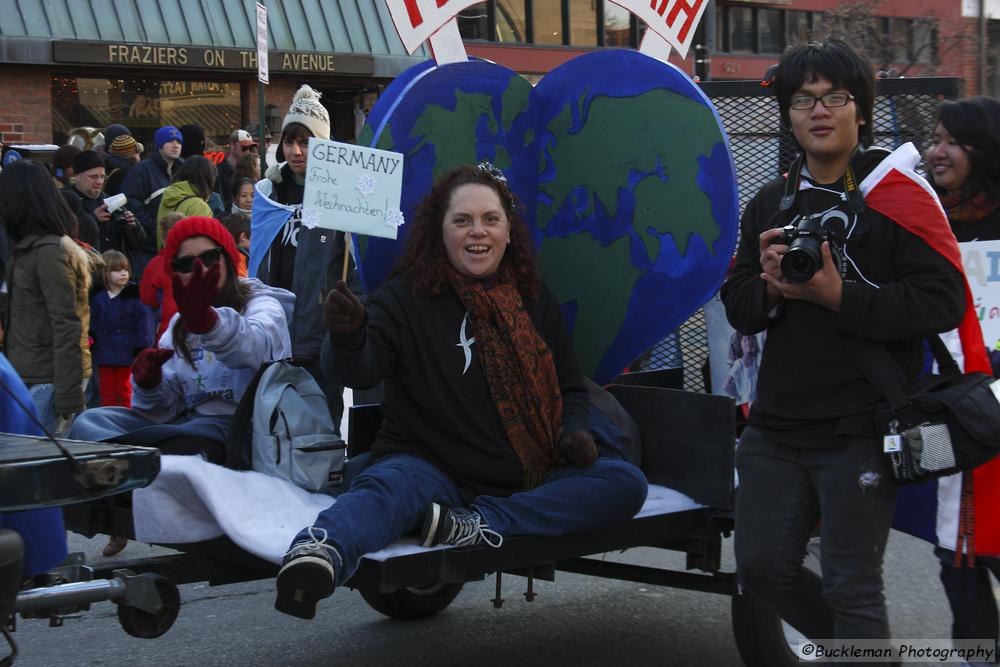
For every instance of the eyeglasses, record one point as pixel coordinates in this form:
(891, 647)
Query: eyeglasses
(493, 172)
(245, 149)
(186, 264)
(830, 101)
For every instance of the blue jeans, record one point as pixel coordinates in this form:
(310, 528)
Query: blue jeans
(127, 426)
(389, 499)
(784, 491)
(43, 395)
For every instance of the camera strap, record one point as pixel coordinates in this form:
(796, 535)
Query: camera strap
(855, 200)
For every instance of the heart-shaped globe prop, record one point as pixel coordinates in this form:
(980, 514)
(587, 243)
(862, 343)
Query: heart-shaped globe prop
(622, 169)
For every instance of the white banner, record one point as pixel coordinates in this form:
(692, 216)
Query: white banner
(981, 260)
(417, 20)
(352, 188)
(673, 20)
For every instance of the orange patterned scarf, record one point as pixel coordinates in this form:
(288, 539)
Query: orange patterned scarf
(520, 371)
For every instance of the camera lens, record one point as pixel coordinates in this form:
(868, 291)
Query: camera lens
(800, 263)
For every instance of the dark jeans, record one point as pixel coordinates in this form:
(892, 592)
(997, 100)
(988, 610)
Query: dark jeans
(389, 498)
(970, 595)
(783, 492)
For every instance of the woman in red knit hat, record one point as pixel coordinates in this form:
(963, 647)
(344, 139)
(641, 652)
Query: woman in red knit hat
(189, 386)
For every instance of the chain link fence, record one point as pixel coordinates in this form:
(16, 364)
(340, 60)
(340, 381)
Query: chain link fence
(762, 150)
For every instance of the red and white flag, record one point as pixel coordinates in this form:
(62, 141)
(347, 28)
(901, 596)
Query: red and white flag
(897, 191)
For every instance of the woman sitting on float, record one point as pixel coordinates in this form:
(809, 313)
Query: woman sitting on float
(485, 428)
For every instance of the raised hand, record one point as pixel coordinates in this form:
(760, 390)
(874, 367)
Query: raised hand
(343, 312)
(195, 297)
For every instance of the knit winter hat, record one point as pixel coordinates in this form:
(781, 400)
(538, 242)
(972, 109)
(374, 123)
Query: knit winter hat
(86, 161)
(112, 132)
(63, 157)
(199, 225)
(165, 134)
(124, 145)
(307, 109)
(193, 140)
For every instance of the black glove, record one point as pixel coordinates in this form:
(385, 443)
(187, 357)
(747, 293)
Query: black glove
(579, 448)
(343, 312)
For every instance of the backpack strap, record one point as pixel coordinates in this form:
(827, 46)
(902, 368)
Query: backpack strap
(153, 196)
(239, 454)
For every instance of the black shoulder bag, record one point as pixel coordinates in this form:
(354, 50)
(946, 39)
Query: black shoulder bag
(937, 425)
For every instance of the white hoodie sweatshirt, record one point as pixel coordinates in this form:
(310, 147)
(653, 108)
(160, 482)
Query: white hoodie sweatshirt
(225, 359)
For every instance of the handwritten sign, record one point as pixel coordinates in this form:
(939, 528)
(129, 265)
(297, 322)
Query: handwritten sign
(673, 20)
(981, 260)
(417, 20)
(352, 188)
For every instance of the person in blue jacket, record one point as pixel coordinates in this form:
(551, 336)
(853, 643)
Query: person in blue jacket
(41, 530)
(144, 185)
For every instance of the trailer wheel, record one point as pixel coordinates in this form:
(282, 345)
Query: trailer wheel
(407, 604)
(762, 638)
(144, 625)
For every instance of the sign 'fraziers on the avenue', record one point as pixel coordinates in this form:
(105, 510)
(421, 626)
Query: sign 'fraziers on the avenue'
(160, 55)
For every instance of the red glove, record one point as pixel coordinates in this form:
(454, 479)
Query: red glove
(194, 300)
(579, 448)
(147, 369)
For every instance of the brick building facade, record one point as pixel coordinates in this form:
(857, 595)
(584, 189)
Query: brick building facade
(57, 78)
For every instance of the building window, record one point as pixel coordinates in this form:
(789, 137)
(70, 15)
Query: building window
(145, 104)
(511, 22)
(769, 32)
(796, 28)
(924, 42)
(583, 22)
(740, 28)
(473, 22)
(617, 25)
(546, 17)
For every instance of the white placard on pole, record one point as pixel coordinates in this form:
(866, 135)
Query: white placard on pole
(352, 188)
(262, 74)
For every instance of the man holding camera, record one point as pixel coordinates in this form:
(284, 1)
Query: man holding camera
(815, 267)
(119, 229)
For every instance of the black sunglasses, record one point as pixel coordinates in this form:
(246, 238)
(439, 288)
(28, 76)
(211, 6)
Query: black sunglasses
(186, 264)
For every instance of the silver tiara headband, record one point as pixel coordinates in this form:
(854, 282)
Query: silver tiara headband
(493, 172)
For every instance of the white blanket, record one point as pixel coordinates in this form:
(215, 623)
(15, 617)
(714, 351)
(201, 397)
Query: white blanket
(192, 500)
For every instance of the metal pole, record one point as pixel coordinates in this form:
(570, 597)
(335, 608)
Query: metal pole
(261, 144)
(69, 595)
(982, 47)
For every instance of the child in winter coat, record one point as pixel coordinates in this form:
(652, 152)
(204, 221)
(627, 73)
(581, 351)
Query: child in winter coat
(121, 326)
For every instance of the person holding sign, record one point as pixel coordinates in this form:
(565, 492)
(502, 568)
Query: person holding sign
(963, 162)
(875, 261)
(284, 252)
(485, 430)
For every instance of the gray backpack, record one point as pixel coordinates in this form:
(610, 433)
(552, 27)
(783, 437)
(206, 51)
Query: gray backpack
(283, 427)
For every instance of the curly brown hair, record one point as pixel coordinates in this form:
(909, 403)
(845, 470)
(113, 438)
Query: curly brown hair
(425, 259)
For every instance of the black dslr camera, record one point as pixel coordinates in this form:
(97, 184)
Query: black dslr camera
(118, 217)
(805, 256)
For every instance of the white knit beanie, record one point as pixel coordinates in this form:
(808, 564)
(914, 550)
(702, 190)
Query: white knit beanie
(306, 109)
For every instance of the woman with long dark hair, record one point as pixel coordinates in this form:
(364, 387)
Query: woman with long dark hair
(481, 439)
(48, 311)
(188, 194)
(963, 163)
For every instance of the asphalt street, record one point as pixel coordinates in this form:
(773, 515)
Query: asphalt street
(576, 620)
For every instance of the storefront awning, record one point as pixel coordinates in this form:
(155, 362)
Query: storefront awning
(336, 27)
